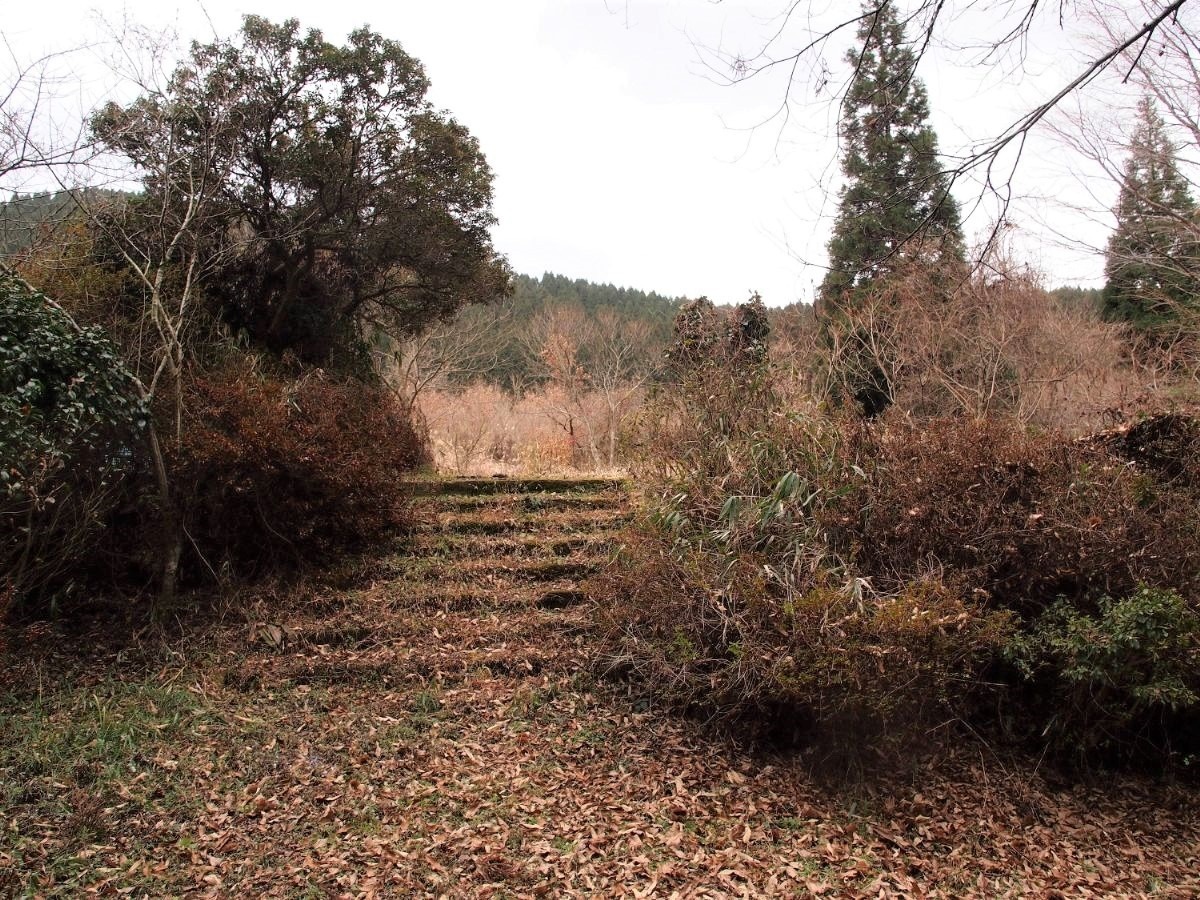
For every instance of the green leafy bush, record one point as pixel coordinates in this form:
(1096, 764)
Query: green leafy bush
(69, 424)
(1115, 671)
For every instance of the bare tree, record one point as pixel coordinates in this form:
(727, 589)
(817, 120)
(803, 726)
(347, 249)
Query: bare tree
(1169, 68)
(162, 235)
(464, 349)
(34, 142)
(624, 358)
(1000, 345)
(554, 344)
(593, 369)
(159, 234)
(30, 138)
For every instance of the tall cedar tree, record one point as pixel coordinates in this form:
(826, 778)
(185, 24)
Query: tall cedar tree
(1151, 261)
(896, 203)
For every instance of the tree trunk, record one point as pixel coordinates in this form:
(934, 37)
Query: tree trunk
(171, 550)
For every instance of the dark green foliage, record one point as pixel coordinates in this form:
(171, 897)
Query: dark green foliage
(1115, 670)
(896, 212)
(896, 204)
(25, 215)
(27, 220)
(697, 335)
(630, 303)
(335, 192)
(1152, 260)
(732, 339)
(69, 423)
(749, 331)
(1078, 297)
(61, 388)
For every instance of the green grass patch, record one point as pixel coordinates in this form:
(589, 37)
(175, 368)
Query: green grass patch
(89, 735)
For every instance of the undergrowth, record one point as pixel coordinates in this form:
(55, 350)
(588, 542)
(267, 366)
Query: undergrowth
(804, 576)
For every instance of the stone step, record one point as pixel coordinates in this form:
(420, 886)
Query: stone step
(521, 546)
(577, 523)
(533, 570)
(526, 502)
(444, 486)
(489, 572)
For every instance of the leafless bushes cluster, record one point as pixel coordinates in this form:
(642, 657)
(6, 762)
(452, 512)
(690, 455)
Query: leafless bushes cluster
(990, 550)
(589, 373)
(483, 429)
(993, 343)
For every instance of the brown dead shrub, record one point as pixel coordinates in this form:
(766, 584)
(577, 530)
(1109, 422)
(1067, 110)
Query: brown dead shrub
(1024, 518)
(844, 669)
(804, 575)
(274, 473)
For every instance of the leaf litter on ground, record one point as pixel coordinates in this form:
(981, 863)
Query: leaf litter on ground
(434, 731)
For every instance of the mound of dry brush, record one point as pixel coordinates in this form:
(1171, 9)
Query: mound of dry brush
(805, 576)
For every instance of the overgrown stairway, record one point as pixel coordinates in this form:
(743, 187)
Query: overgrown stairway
(489, 584)
(498, 568)
(426, 725)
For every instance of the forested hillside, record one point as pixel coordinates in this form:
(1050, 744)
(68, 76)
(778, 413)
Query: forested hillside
(24, 216)
(530, 294)
(533, 299)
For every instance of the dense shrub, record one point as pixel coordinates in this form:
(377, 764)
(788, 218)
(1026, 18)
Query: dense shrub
(268, 463)
(732, 338)
(69, 426)
(274, 472)
(1023, 518)
(832, 662)
(741, 598)
(937, 343)
(1109, 679)
(800, 574)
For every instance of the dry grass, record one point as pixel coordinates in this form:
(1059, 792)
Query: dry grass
(483, 430)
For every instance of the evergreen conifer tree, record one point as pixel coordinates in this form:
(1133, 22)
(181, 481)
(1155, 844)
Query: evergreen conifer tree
(896, 202)
(1151, 264)
(895, 207)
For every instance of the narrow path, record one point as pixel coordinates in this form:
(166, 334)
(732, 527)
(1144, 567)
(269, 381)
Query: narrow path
(498, 566)
(488, 586)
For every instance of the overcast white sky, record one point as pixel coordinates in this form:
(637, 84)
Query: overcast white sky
(618, 157)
